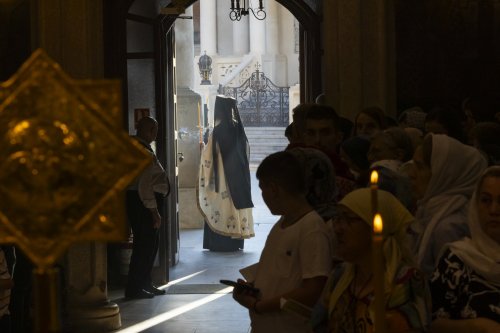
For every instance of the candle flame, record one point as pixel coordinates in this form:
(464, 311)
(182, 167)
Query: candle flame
(378, 225)
(374, 177)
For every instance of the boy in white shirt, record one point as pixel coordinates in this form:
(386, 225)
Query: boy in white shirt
(295, 262)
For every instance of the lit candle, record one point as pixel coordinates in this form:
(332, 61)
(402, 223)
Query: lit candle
(378, 274)
(374, 188)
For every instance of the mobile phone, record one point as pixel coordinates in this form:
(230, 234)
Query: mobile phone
(239, 285)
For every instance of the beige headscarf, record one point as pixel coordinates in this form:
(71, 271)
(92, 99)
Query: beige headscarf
(480, 252)
(396, 219)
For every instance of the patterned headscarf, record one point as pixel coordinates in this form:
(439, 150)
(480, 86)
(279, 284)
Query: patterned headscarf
(414, 117)
(320, 180)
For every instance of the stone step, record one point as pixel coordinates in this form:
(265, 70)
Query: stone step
(264, 129)
(266, 136)
(269, 148)
(265, 141)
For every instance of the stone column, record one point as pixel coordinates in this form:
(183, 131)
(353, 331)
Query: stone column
(184, 51)
(208, 27)
(273, 63)
(75, 41)
(359, 55)
(240, 36)
(189, 113)
(257, 36)
(89, 309)
(272, 32)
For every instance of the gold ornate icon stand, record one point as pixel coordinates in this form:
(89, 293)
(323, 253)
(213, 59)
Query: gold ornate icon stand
(65, 164)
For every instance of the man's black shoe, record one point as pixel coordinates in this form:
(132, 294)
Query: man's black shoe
(155, 291)
(139, 294)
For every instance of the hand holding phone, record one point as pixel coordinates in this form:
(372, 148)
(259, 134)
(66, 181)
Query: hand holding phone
(240, 285)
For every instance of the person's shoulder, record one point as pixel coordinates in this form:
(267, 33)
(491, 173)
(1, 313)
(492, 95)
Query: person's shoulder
(312, 218)
(454, 223)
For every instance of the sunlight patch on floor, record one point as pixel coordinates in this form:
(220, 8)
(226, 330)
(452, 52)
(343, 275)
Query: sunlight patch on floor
(184, 278)
(144, 325)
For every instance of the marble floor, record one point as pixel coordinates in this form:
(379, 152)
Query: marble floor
(195, 301)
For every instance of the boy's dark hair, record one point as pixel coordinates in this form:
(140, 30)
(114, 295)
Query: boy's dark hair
(305, 111)
(283, 169)
(289, 131)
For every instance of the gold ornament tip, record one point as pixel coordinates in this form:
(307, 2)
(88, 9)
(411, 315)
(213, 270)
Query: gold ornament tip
(66, 160)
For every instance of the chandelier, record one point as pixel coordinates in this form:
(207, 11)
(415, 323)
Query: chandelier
(241, 8)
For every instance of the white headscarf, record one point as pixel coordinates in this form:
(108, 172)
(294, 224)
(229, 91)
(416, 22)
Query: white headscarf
(455, 170)
(480, 252)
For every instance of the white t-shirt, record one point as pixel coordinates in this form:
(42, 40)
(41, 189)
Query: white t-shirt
(291, 254)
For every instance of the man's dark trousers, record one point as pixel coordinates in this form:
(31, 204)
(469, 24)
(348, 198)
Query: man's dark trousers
(146, 240)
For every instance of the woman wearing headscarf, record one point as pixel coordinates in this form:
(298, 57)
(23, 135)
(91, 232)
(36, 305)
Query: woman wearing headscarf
(389, 150)
(349, 293)
(466, 283)
(319, 179)
(443, 177)
(224, 194)
(412, 118)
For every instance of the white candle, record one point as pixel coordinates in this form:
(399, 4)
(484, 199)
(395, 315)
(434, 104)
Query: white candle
(378, 274)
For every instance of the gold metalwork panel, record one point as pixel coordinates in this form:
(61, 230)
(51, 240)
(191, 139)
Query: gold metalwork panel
(64, 160)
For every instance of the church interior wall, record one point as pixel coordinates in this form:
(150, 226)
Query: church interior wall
(447, 51)
(141, 88)
(139, 37)
(140, 72)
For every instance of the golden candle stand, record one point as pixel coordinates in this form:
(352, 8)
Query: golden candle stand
(65, 162)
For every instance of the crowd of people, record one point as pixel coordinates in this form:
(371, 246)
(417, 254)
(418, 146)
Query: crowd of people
(439, 196)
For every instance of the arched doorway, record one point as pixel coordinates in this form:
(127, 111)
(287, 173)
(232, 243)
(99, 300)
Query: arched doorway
(309, 63)
(140, 42)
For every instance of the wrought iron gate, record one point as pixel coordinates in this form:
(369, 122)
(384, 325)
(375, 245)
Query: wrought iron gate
(261, 103)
